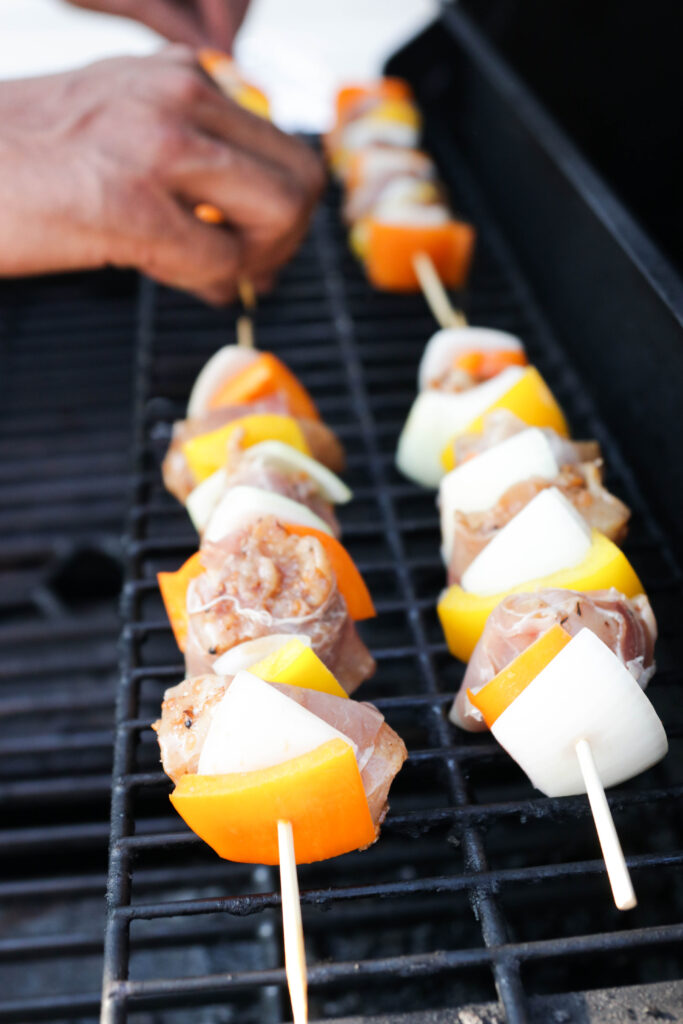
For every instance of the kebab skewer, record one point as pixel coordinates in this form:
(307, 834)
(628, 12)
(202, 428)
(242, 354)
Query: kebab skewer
(574, 718)
(520, 674)
(395, 205)
(229, 514)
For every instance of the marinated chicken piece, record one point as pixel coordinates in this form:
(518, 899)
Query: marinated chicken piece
(381, 752)
(178, 478)
(383, 165)
(180, 481)
(580, 483)
(262, 580)
(501, 424)
(185, 717)
(387, 759)
(291, 484)
(626, 625)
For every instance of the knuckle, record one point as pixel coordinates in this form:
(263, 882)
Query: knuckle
(290, 202)
(165, 145)
(185, 86)
(314, 172)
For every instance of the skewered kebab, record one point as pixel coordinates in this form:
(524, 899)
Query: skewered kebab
(496, 510)
(547, 545)
(396, 206)
(626, 625)
(269, 584)
(235, 404)
(478, 497)
(465, 375)
(270, 800)
(574, 718)
(225, 739)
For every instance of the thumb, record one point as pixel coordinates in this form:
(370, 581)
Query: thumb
(178, 24)
(221, 20)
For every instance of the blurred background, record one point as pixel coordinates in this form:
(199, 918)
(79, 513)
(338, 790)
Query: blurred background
(298, 50)
(610, 71)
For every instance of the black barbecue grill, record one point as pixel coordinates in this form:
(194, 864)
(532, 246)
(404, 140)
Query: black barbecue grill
(483, 901)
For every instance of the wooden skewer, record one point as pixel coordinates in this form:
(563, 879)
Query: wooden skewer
(247, 293)
(435, 293)
(617, 869)
(295, 954)
(245, 332)
(210, 214)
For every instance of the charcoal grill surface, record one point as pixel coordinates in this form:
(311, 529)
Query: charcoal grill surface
(479, 888)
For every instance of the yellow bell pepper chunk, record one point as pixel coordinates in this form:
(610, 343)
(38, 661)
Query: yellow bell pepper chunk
(208, 452)
(253, 100)
(359, 238)
(321, 793)
(297, 665)
(530, 399)
(506, 686)
(400, 111)
(463, 615)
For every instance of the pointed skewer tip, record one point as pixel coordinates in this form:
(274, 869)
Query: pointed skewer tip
(295, 954)
(615, 863)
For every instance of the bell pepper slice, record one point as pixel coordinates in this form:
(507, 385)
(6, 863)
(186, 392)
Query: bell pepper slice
(321, 793)
(390, 249)
(506, 686)
(349, 580)
(384, 89)
(223, 69)
(463, 615)
(297, 665)
(486, 363)
(266, 375)
(208, 452)
(173, 587)
(530, 399)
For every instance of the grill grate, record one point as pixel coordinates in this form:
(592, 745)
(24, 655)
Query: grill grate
(478, 889)
(65, 418)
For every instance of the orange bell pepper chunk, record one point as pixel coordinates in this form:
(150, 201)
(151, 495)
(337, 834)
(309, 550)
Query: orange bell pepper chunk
(384, 89)
(350, 582)
(266, 375)
(484, 364)
(506, 686)
(223, 69)
(173, 587)
(321, 793)
(391, 247)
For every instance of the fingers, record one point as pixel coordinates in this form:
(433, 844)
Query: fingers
(221, 19)
(209, 150)
(230, 123)
(265, 204)
(173, 247)
(178, 23)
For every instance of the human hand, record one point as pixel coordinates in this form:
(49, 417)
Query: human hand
(195, 22)
(104, 166)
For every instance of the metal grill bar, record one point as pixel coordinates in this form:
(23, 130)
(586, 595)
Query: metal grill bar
(63, 471)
